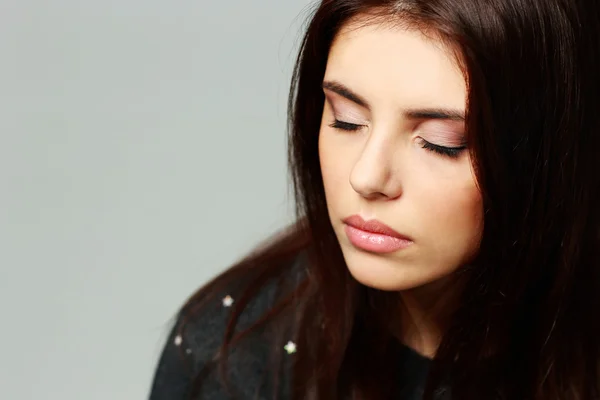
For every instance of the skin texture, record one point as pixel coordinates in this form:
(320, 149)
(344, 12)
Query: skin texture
(381, 170)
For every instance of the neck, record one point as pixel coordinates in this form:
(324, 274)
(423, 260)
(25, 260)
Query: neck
(425, 314)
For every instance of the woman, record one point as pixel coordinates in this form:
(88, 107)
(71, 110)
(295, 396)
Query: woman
(444, 159)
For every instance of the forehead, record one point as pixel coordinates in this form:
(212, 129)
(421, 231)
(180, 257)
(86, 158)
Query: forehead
(389, 64)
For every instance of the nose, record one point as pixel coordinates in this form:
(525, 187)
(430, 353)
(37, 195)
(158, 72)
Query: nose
(374, 175)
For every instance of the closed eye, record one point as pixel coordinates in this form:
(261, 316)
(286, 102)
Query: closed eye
(452, 152)
(345, 126)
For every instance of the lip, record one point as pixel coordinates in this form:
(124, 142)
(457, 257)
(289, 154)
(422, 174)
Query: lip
(374, 236)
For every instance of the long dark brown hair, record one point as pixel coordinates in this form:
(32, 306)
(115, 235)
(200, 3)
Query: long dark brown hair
(527, 325)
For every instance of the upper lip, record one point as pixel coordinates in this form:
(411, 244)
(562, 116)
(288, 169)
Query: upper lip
(373, 226)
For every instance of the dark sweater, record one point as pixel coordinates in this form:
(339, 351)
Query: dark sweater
(184, 355)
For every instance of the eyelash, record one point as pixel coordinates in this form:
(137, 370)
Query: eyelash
(345, 126)
(452, 152)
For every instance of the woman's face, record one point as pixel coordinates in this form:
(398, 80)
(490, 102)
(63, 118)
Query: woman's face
(401, 193)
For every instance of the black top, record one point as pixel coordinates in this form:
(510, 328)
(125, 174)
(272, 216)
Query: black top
(247, 363)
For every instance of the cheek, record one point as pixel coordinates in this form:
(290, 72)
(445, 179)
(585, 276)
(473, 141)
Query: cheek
(450, 210)
(336, 166)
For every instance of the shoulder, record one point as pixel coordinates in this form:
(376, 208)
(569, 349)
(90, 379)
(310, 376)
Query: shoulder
(234, 314)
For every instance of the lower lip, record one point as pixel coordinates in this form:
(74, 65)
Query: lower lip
(375, 242)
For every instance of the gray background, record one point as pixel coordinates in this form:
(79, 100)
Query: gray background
(142, 151)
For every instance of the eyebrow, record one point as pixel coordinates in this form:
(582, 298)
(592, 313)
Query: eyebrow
(435, 113)
(439, 113)
(344, 91)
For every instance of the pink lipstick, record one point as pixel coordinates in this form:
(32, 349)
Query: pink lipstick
(374, 236)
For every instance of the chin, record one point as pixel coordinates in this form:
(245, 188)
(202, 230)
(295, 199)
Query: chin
(383, 273)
